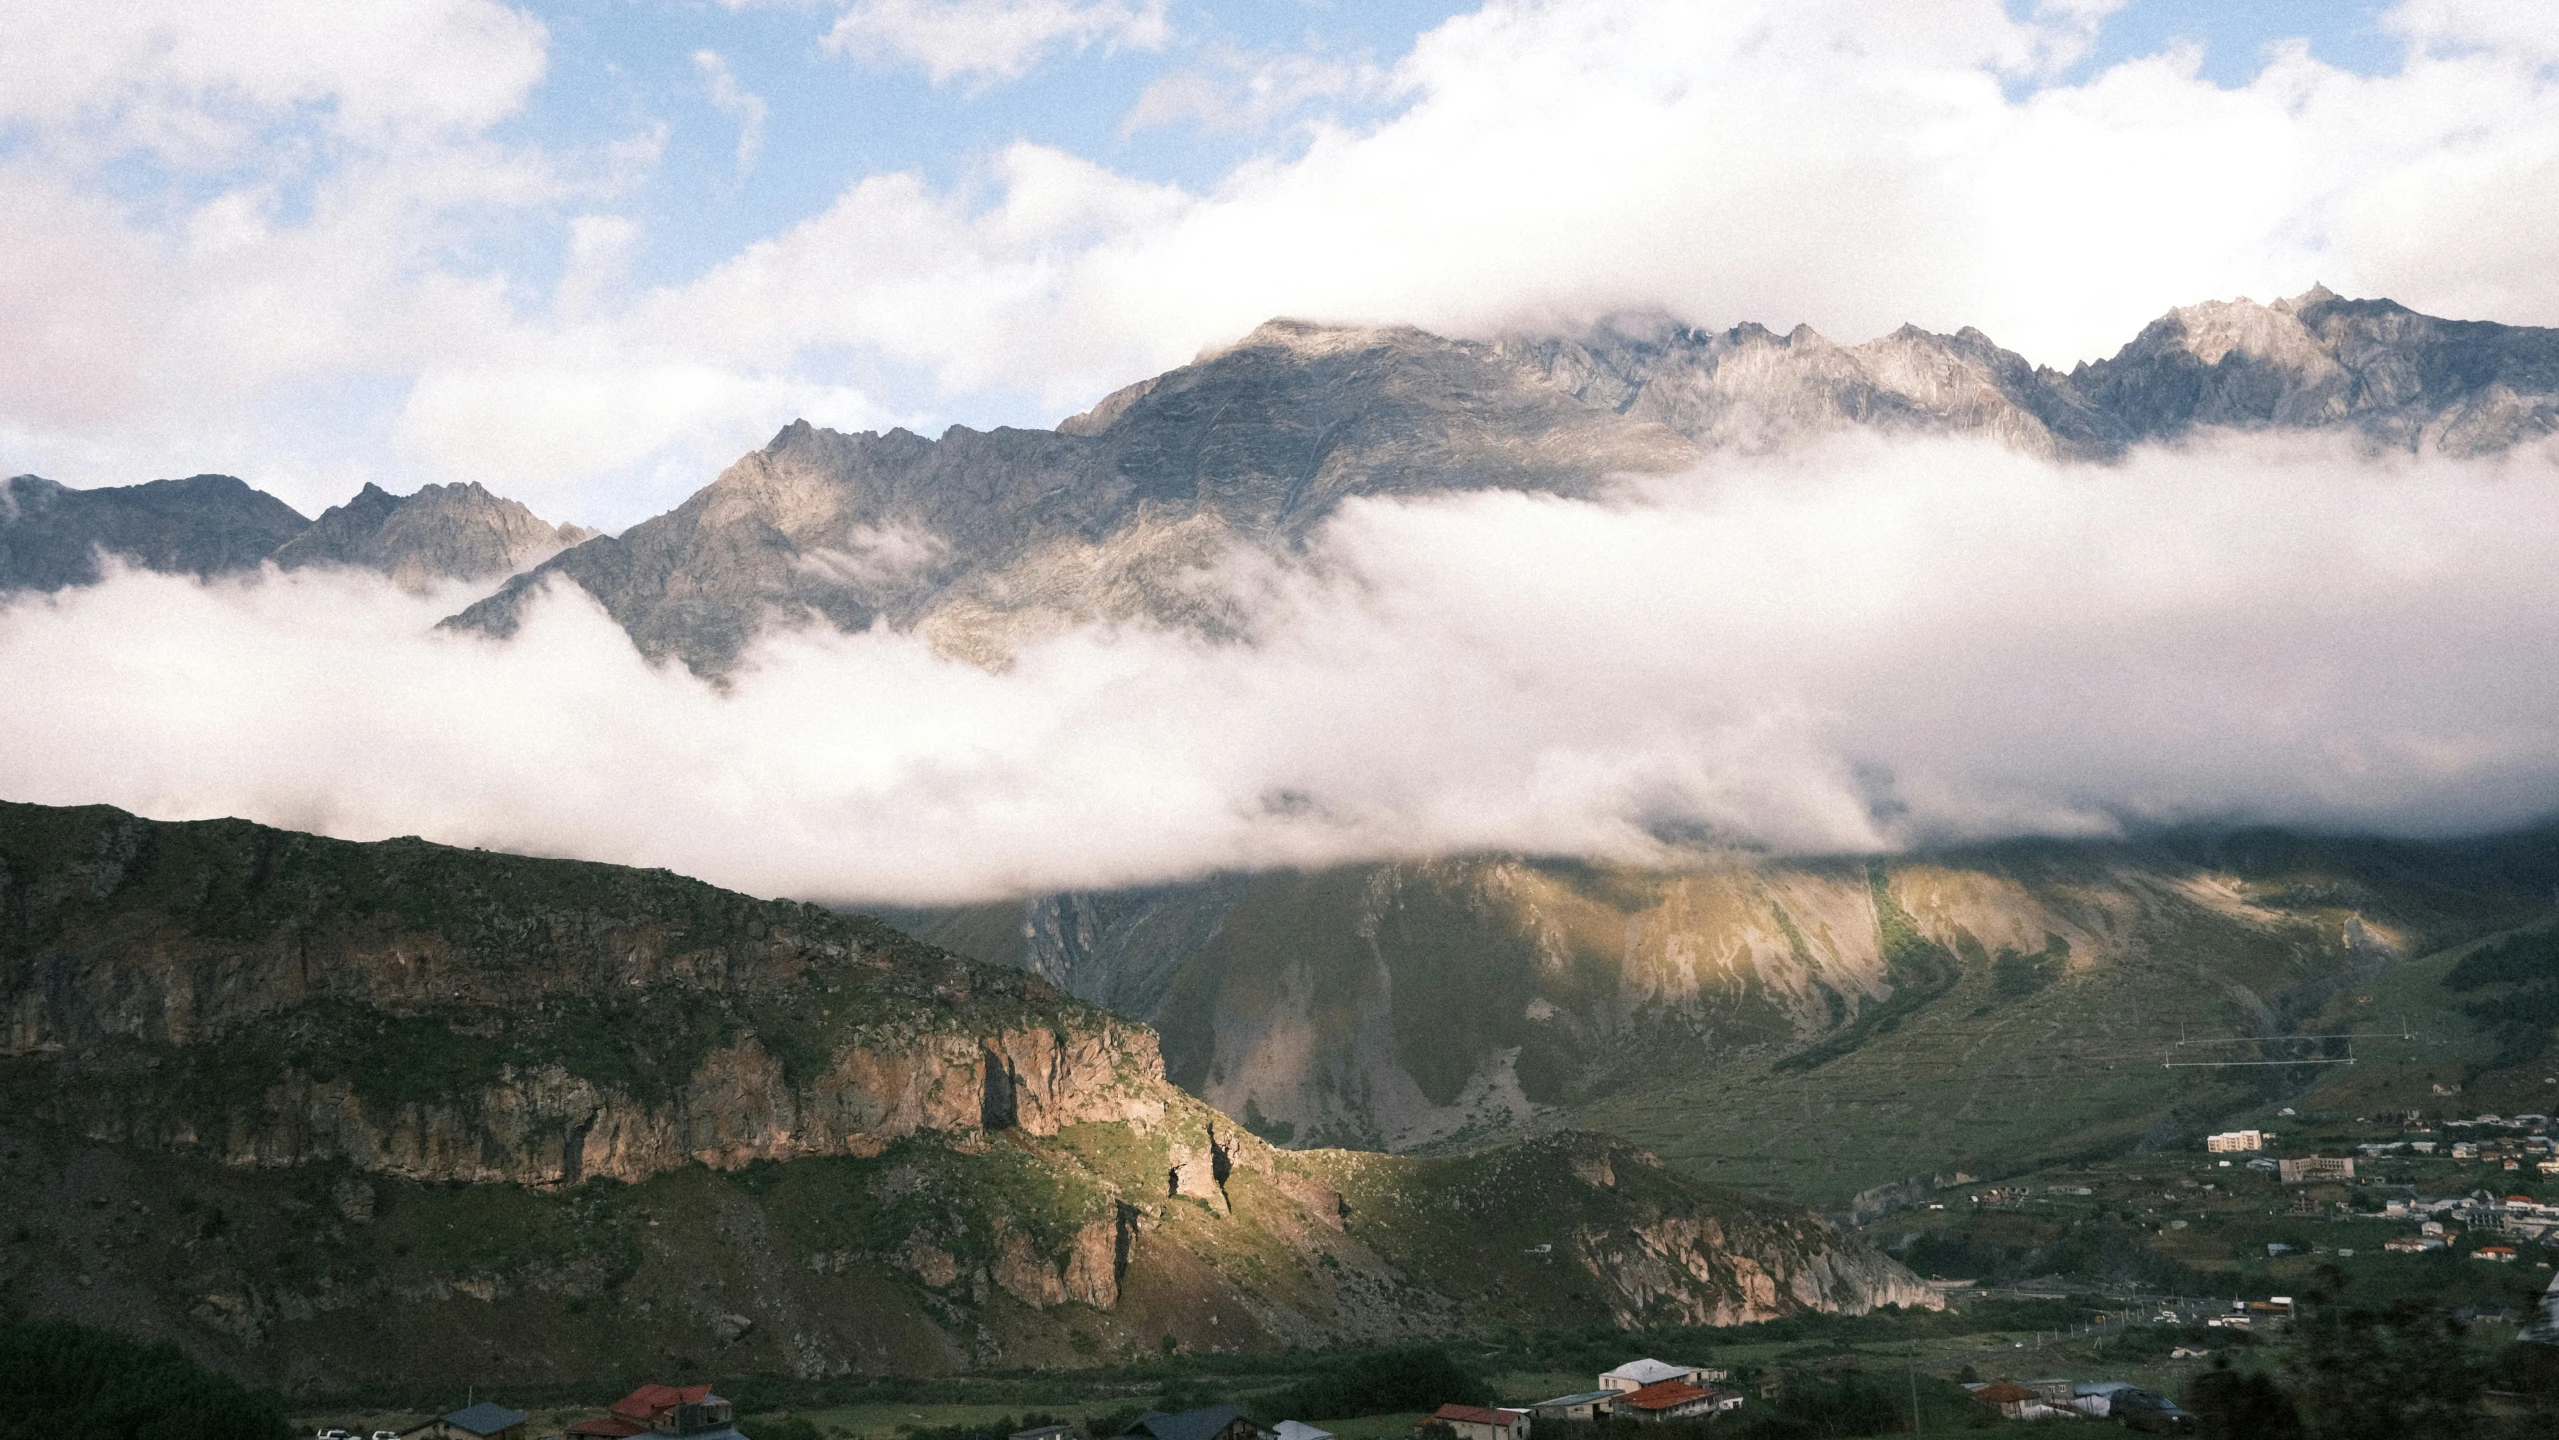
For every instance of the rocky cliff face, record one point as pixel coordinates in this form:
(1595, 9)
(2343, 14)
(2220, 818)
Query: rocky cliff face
(1419, 1005)
(343, 1112)
(443, 532)
(275, 999)
(985, 541)
(51, 535)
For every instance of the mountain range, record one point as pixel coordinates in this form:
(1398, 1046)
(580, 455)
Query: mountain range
(52, 536)
(1733, 1014)
(985, 540)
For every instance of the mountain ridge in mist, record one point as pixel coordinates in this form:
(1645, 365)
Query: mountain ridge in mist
(984, 540)
(52, 536)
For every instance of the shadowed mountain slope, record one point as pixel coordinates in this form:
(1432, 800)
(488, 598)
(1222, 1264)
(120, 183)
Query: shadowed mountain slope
(51, 535)
(337, 1114)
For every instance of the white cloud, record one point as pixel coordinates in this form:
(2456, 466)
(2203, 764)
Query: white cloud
(992, 39)
(288, 301)
(1847, 165)
(197, 81)
(1232, 90)
(1851, 648)
(738, 103)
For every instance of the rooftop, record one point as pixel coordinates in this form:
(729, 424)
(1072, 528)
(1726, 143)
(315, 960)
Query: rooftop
(1664, 1394)
(1475, 1415)
(485, 1418)
(1200, 1424)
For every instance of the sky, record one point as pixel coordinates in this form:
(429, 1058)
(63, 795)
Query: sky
(588, 252)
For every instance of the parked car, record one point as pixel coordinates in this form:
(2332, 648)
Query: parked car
(386, 1435)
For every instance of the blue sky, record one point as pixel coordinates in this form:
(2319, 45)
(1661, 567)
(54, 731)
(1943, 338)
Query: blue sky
(832, 118)
(588, 251)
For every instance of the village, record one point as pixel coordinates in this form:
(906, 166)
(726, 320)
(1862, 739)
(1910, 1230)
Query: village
(1647, 1392)
(2266, 1214)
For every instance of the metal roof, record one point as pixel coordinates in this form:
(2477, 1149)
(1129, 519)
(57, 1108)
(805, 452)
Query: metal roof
(485, 1418)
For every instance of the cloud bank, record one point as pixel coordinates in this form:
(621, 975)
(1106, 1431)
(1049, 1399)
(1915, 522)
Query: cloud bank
(1856, 648)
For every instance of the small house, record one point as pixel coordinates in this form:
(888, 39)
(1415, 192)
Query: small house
(2011, 1399)
(2502, 1253)
(1299, 1430)
(1636, 1374)
(1589, 1405)
(483, 1421)
(1209, 1422)
(1478, 1422)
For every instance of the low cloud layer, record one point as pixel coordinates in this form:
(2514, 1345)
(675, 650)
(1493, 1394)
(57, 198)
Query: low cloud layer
(1855, 648)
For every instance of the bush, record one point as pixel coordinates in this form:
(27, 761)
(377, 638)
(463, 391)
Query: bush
(69, 1382)
(1382, 1382)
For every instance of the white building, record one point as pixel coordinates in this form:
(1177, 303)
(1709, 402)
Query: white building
(1636, 1374)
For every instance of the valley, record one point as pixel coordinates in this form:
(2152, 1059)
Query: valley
(1820, 1029)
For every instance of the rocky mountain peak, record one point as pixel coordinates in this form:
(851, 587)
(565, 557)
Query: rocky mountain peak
(440, 533)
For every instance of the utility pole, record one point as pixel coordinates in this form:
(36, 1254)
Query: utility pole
(1914, 1389)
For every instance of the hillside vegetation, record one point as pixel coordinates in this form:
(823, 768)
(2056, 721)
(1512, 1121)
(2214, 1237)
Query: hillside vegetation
(334, 1115)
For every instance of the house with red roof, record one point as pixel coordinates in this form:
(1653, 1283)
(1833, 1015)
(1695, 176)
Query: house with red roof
(1478, 1422)
(2013, 1400)
(1674, 1400)
(689, 1412)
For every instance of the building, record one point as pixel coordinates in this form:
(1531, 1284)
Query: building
(1477, 1422)
(483, 1421)
(1669, 1400)
(1636, 1374)
(2233, 1140)
(2012, 1400)
(2122, 1401)
(1209, 1422)
(2055, 1393)
(1589, 1405)
(690, 1412)
(1300, 1430)
(2316, 1167)
(2504, 1253)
